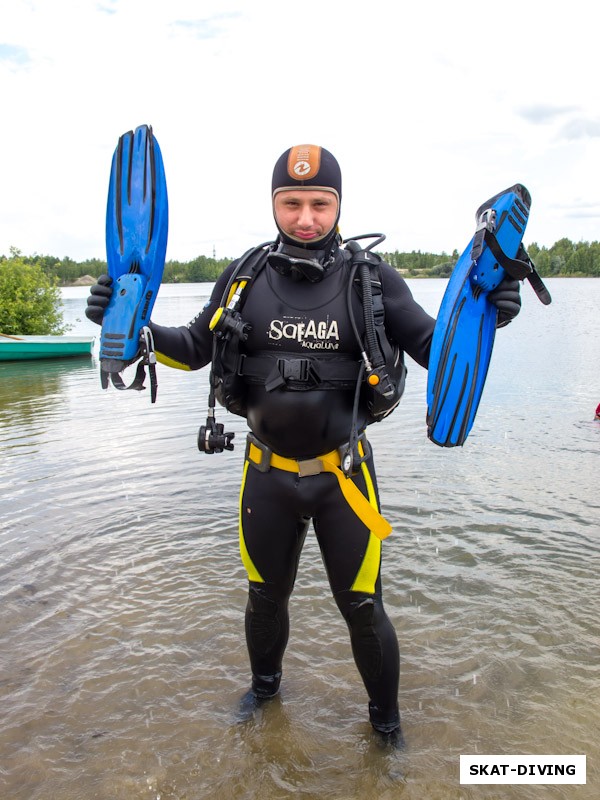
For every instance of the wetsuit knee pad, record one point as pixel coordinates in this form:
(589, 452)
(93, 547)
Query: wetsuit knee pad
(365, 637)
(263, 622)
(360, 610)
(375, 649)
(371, 633)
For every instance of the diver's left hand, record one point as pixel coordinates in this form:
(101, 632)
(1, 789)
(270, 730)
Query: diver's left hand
(507, 299)
(98, 299)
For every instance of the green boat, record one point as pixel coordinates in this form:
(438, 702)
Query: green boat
(30, 348)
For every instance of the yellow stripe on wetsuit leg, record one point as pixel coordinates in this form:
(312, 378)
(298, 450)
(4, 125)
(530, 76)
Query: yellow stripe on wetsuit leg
(253, 573)
(366, 577)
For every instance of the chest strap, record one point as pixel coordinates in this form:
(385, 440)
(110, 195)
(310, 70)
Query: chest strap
(275, 371)
(263, 459)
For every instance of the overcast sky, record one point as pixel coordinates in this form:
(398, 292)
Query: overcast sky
(430, 108)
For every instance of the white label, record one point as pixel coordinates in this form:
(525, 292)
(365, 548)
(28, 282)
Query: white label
(522, 769)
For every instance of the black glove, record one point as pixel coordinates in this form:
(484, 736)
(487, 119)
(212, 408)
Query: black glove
(99, 298)
(507, 299)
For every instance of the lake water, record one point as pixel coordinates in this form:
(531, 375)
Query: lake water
(122, 595)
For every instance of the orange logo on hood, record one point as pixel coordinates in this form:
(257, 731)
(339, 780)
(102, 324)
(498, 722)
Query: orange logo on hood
(304, 162)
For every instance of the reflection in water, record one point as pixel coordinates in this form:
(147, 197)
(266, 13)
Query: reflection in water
(25, 386)
(122, 594)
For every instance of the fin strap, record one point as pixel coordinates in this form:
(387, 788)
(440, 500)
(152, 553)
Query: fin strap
(537, 284)
(515, 268)
(148, 359)
(520, 268)
(539, 287)
(138, 382)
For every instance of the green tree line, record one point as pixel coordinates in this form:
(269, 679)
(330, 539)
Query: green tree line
(417, 264)
(564, 258)
(65, 271)
(30, 302)
(567, 258)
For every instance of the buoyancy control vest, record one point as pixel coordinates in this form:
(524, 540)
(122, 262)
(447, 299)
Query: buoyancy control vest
(377, 376)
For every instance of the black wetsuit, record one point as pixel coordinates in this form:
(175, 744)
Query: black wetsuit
(303, 419)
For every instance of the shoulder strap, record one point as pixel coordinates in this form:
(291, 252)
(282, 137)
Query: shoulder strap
(383, 359)
(366, 262)
(251, 263)
(225, 324)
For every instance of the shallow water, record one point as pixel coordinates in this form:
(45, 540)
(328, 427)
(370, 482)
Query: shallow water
(122, 594)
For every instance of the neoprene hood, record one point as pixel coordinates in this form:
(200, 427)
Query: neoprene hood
(308, 166)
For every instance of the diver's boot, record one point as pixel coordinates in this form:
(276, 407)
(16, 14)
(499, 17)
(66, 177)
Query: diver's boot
(264, 687)
(387, 726)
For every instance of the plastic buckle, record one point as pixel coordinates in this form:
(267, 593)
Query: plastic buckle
(264, 465)
(487, 220)
(147, 346)
(293, 369)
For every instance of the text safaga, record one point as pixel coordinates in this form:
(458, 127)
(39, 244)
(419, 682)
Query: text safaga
(313, 335)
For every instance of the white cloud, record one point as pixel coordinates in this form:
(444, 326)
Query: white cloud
(581, 128)
(430, 109)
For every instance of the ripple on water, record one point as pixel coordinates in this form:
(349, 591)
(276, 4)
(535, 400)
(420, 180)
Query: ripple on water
(122, 594)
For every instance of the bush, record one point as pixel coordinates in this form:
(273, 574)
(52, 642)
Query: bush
(30, 302)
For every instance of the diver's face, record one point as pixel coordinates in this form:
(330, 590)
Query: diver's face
(305, 215)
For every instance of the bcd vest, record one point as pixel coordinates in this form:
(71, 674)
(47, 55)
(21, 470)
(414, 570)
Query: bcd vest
(302, 338)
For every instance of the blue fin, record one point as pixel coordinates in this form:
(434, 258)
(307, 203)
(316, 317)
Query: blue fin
(464, 333)
(136, 243)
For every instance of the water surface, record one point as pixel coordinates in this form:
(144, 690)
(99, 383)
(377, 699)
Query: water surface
(122, 594)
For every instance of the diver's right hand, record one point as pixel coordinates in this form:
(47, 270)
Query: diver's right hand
(99, 298)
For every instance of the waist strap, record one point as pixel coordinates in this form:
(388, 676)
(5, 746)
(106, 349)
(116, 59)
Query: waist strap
(262, 458)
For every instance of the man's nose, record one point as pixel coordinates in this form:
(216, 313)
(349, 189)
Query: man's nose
(306, 216)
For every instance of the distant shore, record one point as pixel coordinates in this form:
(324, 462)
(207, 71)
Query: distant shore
(88, 280)
(85, 280)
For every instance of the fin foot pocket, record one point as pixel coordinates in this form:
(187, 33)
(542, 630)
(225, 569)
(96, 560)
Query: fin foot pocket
(465, 329)
(136, 242)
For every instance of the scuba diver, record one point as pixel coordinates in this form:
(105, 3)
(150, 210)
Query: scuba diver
(306, 338)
